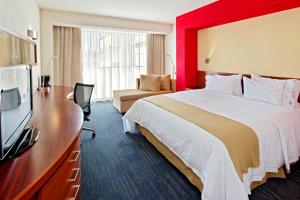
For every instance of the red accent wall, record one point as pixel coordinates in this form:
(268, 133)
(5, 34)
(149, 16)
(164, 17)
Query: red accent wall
(217, 13)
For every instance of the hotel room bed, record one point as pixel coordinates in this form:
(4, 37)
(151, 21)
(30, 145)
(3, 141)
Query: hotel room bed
(206, 160)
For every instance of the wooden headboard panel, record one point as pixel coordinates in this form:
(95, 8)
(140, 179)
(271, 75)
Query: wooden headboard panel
(201, 78)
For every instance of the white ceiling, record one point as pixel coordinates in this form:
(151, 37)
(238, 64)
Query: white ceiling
(151, 10)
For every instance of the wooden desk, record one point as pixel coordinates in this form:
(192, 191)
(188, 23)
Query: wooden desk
(51, 168)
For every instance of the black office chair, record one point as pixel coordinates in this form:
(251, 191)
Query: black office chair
(82, 97)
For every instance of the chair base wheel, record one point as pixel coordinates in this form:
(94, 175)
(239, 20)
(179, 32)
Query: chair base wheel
(90, 129)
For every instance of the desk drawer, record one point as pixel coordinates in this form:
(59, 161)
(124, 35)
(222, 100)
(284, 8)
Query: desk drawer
(65, 179)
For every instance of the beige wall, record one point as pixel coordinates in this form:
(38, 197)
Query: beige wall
(266, 45)
(51, 17)
(170, 46)
(16, 17)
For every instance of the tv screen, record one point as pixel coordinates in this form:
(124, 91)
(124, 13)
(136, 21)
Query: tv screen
(15, 105)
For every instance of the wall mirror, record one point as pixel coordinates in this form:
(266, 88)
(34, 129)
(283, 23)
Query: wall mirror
(16, 51)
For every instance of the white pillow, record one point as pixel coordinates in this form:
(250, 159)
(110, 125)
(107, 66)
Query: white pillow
(237, 83)
(291, 90)
(219, 84)
(267, 80)
(270, 92)
(291, 94)
(257, 77)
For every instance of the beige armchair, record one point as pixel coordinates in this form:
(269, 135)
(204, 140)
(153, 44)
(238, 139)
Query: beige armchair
(123, 99)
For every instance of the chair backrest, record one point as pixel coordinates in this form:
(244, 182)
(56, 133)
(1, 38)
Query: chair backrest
(10, 99)
(82, 96)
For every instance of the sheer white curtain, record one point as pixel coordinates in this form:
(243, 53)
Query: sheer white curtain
(112, 60)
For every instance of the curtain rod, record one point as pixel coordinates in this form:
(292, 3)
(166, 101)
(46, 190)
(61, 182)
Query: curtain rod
(108, 28)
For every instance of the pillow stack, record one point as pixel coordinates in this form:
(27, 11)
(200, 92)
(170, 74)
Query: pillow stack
(279, 92)
(155, 83)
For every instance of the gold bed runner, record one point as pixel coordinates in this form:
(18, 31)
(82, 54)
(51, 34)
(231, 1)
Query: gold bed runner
(240, 140)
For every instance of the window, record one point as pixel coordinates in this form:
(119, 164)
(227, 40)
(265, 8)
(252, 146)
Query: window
(112, 60)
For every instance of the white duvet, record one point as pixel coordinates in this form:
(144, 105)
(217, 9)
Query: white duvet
(277, 128)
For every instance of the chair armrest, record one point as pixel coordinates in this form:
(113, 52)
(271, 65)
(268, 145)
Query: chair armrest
(173, 85)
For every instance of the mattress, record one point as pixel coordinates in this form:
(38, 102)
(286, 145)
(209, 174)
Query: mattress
(276, 128)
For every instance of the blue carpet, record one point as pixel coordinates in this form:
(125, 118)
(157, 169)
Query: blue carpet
(126, 166)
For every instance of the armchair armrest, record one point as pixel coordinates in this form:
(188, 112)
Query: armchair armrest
(173, 85)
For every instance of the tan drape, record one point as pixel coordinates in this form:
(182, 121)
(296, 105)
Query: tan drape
(67, 53)
(155, 54)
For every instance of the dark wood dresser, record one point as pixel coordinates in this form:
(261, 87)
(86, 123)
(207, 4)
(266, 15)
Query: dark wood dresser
(51, 168)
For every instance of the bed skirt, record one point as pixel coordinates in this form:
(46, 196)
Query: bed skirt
(188, 173)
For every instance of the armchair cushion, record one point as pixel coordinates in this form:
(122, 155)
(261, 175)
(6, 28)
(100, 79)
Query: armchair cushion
(150, 83)
(172, 84)
(165, 82)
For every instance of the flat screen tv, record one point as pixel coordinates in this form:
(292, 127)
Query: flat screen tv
(15, 107)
